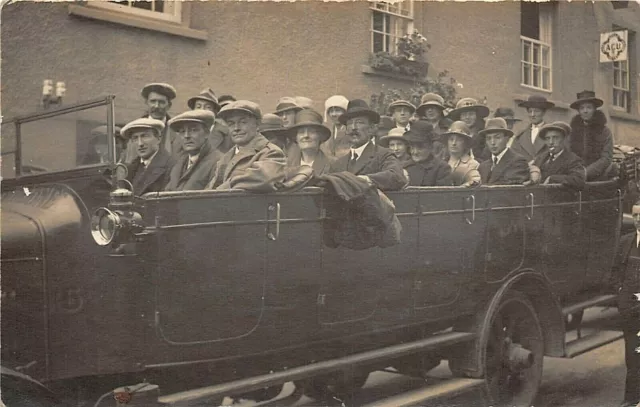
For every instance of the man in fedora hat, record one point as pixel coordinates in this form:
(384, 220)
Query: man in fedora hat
(591, 139)
(431, 110)
(149, 172)
(158, 98)
(253, 164)
(426, 170)
(207, 100)
(472, 113)
(373, 163)
(527, 143)
(557, 164)
(197, 162)
(401, 112)
(508, 115)
(626, 277)
(504, 167)
(309, 133)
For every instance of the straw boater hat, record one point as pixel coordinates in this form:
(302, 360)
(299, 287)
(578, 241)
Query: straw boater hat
(496, 124)
(359, 108)
(562, 127)
(309, 118)
(430, 100)
(540, 102)
(586, 96)
(467, 105)
(394, 134)
(161, 88)
(421, 132)
(245, 106)
(143, 123)
(459, 128)
(401, 103)
(205, 117)
(271, 126)
(208, 96)
(285, 104)
(506, 113)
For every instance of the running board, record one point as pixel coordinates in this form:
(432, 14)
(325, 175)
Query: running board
(447, 388)
(436, 341)
(592, 302)
(586, 343)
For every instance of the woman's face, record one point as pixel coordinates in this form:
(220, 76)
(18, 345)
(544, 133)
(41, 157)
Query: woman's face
(469, 117)
(457, 144)
(399, 148)
(586, 111)
(432, 113)
(308, 138)
(334, 113)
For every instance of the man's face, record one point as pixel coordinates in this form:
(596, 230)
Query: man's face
(359, 130)
(288, 118)
(432, 113)
(497, 142)
(158, 105)
(420, 151)
(243, 128)
(193, 135)
(398, 147)
(203, 105)
(334, 113)
(586, 111)
(146, 142)
(536, 115)
(635, 212)
(457, 144)
(555, 141)
(510, 123)
(401, 115)
(469, 117)
(308, 138)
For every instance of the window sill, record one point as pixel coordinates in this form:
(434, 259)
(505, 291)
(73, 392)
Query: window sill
(367, 70)
(620, 114)
(519, 97)
(138, 22)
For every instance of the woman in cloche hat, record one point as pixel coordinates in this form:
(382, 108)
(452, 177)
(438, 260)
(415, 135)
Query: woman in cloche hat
(472, 113)
(338, 144)
(464, 168)
(308, 133)
(395, 141)
(590, 138)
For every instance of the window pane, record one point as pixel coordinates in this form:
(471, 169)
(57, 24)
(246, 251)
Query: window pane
(545, 56)
(387, 23)
(526, 74)
(393, 8)
(526, 51)
(378, 23)
(546, 78)
(625, 81)
(616, 78)
(381, 5)
(536, 54)
(159, 6)
(146, 5)
(387, 44)
(378, 45)
(536, 76)
(530, 19)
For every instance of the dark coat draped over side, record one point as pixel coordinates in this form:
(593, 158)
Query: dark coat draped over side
(593, 142)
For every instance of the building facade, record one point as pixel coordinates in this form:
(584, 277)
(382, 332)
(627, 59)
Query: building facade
(261, 51)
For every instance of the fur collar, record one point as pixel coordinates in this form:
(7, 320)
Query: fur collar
(598, 122)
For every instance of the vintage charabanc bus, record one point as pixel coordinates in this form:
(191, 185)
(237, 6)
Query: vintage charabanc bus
(237, 293)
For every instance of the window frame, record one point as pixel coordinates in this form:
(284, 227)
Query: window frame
(393, 15)
(174, 15)
(626, 92)
(532, 64)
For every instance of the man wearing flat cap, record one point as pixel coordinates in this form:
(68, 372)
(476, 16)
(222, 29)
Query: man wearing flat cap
(158, 98)
(376, 165)
(504, 167)
(149, 172)
(253, 164)
(197, 162)
(528, 143)
(401, 112)
(207, 100)
(557, 164)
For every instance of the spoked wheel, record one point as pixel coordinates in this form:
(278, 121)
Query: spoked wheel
(514, 352)
(336, 386)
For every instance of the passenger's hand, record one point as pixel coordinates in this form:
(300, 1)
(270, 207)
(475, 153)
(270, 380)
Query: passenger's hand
(366, 178)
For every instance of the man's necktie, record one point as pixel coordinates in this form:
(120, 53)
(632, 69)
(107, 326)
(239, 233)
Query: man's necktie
(352, 161)
(495, 162)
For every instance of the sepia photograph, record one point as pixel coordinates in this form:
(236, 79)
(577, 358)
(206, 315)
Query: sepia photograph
(301, 203)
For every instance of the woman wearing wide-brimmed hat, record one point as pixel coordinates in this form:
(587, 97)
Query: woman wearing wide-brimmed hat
(472, 113)
(464, 169)
(431, 110)
(309, 133)
(338, 144)
(399, 146)
(590, 138)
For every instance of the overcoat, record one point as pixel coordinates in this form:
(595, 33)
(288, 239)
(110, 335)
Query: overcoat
(428, 173)
(378, 163)
(198, 175)
(522, 145)
(593, 142)
(338, 144)
(321, 164)
(566, 169)
(512, 169)
(256, 167)
(465, 172)
(155, 177)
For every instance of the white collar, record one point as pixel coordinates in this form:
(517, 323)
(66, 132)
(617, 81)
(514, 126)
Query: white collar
(194, 158)
(537, 126)
(555, 156)
(148, 160)
(359, 150)
(499, 156)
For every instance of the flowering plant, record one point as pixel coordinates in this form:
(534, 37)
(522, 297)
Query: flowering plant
(413, 46)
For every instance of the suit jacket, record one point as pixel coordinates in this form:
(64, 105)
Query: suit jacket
(428, 173)
(378, 163)
(153, 178)
(198, 175)
(567, 169)
(337, 146)
(522, 145)
(256, 167)
(321, 164)
(512, 169)
(628, 279)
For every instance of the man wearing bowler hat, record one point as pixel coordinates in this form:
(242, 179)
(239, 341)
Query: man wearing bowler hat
(504, 167)
(253, 164)
(557, 164)
(591, 139)
(374, 164)
(426, 170)
(158, 98)
(527, 143)
(197, 162)
(149, 172)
